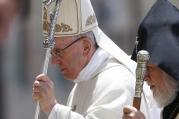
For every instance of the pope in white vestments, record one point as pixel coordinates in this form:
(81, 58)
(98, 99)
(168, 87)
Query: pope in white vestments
(107, 81)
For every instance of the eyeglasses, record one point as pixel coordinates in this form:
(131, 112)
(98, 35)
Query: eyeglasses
(58, 53)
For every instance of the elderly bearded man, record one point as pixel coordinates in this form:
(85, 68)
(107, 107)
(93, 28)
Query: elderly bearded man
(103, 74)
(159, 34)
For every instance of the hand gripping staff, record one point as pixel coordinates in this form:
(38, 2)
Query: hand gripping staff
(142, 60)
(49, 41)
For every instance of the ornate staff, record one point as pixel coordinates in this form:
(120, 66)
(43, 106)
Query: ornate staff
(49, 41)
(142, 60)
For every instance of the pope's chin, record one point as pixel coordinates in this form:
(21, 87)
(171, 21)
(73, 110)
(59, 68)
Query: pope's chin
(67, 76)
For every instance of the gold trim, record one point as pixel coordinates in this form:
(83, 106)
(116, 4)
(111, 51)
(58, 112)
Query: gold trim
(45, 14)
(90, 20)
(46, 25)
(62, 28)
(58, 28)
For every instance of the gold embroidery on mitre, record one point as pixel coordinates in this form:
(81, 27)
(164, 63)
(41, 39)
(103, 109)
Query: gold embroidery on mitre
(90, 20)
(58, 27)
(46, 25)
(62, 28)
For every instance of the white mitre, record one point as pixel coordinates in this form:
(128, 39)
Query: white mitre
(78, 17)
(75, 17)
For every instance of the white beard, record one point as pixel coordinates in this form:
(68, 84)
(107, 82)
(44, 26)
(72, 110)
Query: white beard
(165, 97)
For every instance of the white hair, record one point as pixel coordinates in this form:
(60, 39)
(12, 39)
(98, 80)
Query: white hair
(163, 98)
(90, 35)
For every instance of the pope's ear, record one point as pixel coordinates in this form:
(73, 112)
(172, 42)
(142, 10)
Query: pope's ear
(86, 46)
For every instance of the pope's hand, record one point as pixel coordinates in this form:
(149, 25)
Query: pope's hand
(43, 91)
(130, 112)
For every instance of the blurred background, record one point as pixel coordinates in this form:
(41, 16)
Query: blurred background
(22, 53)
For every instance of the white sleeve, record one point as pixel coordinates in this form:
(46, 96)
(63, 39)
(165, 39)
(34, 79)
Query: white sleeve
(63, 112)
(108, 98)
(108, 105)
